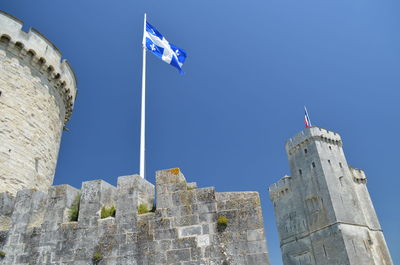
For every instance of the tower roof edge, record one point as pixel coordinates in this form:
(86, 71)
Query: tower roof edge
(312, 133)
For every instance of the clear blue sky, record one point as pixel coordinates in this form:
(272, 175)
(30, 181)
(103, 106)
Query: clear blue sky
(251, 67)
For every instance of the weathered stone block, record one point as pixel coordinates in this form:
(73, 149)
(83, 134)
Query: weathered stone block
(59, 201)
(178, 255)
(190, 230)
(94, 195)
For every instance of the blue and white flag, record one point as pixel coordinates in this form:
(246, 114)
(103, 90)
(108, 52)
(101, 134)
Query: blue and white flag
(158, 45)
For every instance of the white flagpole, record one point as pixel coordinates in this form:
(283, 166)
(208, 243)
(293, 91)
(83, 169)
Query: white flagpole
(143, 111)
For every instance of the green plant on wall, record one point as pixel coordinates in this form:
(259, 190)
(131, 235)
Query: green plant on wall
(74, 210)
(2, 254)
(107, 212)
(142, 209)
(222, 223)
(97, 257)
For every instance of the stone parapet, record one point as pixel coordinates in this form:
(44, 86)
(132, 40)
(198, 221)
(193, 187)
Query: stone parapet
(312, 133)
(182, 229)
(280, 188)
(358, 175)
(42, 54)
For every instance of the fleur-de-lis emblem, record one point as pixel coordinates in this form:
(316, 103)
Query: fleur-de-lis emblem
(177, 52)
(153, 47)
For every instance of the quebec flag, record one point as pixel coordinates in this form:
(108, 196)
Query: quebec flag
(158, 45)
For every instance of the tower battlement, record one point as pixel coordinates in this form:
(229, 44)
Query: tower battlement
(358, 175)
(280, 188)
(182, 228)
(42, 54)
(311, 133)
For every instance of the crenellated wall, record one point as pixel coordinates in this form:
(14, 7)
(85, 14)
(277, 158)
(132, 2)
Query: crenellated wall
(37, 95)
(35, 227)
(312, 134)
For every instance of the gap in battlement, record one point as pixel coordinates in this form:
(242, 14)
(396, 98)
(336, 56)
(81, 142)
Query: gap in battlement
(25, 27)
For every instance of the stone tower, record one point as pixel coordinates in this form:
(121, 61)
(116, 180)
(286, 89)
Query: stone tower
(323, 210)
(37, 93)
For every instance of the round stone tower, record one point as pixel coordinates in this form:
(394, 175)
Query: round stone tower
(37, 94)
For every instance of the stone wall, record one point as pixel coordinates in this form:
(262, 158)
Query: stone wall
(37, 92)
(182, 229)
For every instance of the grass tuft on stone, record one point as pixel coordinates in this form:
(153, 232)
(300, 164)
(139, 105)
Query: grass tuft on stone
(74, 210)
(97, 257)
(142, 209)
(222, 223)
(107, 212)
(2, 254)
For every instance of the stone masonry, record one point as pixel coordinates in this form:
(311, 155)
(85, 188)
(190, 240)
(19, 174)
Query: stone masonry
(35, 227)
(37, 92)
(323, 210)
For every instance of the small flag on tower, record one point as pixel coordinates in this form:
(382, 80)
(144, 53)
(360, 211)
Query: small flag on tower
(307, 120)
(159, 46)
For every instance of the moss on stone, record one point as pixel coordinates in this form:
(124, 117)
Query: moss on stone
(107, 212)
(142, 209)
(174, 171)
(222, 223)
(97, 257)
(74, 210)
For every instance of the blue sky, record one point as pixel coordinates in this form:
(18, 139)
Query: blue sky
(251, 67)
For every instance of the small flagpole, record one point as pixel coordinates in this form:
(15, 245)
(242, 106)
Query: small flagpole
(143, 110)
(308, 116)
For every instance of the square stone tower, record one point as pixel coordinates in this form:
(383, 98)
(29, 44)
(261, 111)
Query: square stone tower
(323, 210)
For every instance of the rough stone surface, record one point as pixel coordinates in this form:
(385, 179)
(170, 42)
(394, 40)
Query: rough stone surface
(323, 211)
(182, 230)
(37, 92)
